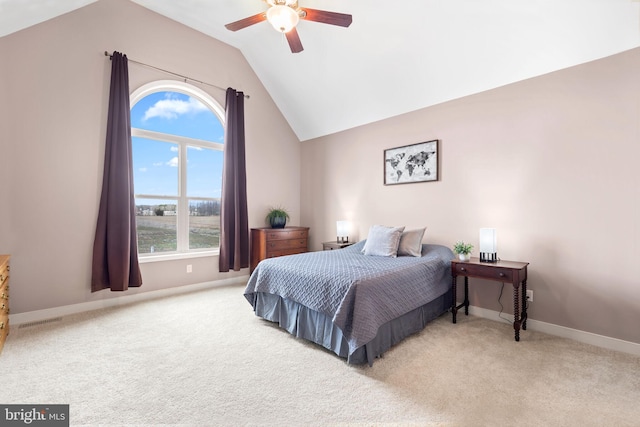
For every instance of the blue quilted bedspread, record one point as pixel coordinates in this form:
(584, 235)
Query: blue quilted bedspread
(359, 293)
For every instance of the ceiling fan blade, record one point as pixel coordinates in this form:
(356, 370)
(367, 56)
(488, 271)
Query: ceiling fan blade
(243, 23)
(333, 18)
(294, 41)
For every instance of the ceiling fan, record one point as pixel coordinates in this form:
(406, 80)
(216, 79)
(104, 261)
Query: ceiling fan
(284, 15)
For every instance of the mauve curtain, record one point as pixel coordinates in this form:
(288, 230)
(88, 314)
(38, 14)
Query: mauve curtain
(234, 220)
(115, 248)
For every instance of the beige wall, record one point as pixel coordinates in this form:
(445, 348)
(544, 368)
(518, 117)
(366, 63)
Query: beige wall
(551, 162)
(54, 103)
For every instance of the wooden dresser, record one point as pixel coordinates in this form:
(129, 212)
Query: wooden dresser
(4, 299)
(274, 242)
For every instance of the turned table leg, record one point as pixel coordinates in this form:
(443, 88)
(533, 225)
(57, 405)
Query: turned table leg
(466, 295)
(524, 305)
(454, 309)
(465, 303)
(516, 310)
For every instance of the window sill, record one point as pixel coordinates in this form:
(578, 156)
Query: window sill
(143, 259)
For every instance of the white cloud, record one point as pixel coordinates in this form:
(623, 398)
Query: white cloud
(172, 108)
(174, 148)
(142, 169)
(158, 164)
(173, 162)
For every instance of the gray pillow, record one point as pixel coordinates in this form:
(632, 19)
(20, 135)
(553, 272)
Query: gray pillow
(411, 243)
(383, 241)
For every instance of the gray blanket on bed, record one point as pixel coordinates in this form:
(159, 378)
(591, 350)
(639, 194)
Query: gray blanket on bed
(359, 293)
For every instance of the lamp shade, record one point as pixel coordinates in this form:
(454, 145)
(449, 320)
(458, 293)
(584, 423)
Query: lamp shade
(488, 245)
(283, 18)
(488, 240)
(343, 228)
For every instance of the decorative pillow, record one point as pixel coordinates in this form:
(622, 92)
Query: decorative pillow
(411, 243)
(383, 241)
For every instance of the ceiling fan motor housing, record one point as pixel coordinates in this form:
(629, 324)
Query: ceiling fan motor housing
(290, 3)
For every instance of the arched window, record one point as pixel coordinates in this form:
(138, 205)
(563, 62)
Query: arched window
(177, 134)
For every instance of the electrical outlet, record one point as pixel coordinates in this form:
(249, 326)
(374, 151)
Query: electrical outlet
(189, 268)
(529, 295)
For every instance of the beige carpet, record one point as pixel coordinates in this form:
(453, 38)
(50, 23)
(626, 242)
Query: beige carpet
(203, 358)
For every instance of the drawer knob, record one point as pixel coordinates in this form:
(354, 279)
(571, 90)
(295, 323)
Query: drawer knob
(463, 269)
(502, 274)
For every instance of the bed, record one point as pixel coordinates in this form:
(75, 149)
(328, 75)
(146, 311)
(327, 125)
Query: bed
(355, 305)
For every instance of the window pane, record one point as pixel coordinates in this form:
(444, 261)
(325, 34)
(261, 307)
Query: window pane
(204, 224)
(156, 221)
(177, 114)
(155, 167)
(204, 172)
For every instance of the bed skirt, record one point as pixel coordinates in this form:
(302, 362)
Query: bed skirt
(314, 326)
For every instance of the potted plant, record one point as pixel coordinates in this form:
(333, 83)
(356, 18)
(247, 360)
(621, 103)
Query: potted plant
(463, 250)
(277, 217)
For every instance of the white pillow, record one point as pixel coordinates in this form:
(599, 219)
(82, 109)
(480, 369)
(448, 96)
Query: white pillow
(411, 243)
(383, 241)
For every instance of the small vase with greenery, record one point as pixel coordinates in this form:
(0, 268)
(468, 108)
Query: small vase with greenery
(463, 250)
(277, 217)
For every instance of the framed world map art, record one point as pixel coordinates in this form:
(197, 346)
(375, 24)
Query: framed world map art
(411, 163)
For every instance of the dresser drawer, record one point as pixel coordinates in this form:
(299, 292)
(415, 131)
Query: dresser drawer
(4, 308)
(4, 331)
(286, 244)
(486, 272)
(4, 322)
(283, 252)
(4, 299)
(286, 235)
(4, 277)
(4, 292)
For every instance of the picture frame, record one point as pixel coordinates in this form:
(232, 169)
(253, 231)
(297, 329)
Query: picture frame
(412, 163)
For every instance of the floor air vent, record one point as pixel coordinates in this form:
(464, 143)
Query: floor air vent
(39, 322)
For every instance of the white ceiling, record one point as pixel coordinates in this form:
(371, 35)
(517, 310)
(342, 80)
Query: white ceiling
(395, 57)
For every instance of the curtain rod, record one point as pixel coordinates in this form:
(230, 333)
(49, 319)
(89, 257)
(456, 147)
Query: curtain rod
(172, 73)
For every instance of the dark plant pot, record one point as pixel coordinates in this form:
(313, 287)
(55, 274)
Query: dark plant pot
(278, 222)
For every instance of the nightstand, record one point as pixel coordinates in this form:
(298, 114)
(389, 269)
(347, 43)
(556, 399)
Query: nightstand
(329, 246)
(502, 271)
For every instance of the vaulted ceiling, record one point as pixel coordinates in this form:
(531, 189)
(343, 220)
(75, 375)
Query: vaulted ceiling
(395, 57)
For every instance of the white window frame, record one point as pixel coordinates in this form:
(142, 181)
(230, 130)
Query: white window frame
(182, 227)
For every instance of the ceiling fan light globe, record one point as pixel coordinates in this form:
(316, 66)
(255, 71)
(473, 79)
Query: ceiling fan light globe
(283, 18)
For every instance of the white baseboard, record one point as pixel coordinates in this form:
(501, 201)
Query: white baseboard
(50, 313)
(561, 331)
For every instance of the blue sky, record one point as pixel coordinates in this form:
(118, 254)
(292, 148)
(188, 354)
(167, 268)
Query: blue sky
(155, 163)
